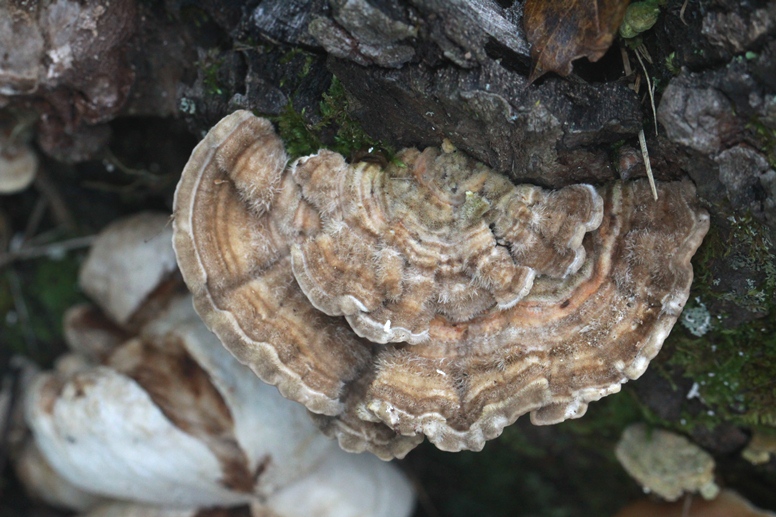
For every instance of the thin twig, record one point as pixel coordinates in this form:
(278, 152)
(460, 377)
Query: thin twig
(42, 239)
(645, 157)
(114, 189)
(45, 250)
(625, 60)
(10, 384)
(141, 177)
(650, 89)
(642, 49)
(129, 171)
(642, 138)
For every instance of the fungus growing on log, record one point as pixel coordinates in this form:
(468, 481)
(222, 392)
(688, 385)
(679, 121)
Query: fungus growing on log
(436, 235)
(430, 297)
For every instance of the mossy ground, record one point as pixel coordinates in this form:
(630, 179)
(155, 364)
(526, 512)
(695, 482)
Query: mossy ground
(734, 366)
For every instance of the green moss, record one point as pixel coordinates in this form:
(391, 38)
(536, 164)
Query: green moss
(671, 64)
(193, 15)
(210, 68)
(767, 140)
(47, 288)
(751, 253)
(295, 53)
(302, 138)
(733, 370)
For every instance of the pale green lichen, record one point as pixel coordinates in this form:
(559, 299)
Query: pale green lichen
(696, 319)
(187, 106)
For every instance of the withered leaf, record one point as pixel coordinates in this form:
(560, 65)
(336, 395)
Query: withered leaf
(561, 31)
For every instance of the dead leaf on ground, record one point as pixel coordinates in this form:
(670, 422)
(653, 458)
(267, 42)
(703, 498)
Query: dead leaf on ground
(561, 31)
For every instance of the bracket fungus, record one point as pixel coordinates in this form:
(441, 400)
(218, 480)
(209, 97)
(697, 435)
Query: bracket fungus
(430, 297)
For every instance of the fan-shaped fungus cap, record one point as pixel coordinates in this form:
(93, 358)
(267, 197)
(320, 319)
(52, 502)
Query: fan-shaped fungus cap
(432, 234)
(158, 409)
(512, 299)
(43, 483)
(125, 509)
(666, 463)
(18, 166)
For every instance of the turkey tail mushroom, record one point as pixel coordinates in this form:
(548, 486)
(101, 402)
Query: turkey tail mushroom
(432, 298)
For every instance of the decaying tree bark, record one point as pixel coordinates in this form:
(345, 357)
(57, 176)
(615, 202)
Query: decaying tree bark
(421, 71)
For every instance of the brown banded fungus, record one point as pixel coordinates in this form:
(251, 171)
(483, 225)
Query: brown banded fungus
(432, 234)
(430, 297)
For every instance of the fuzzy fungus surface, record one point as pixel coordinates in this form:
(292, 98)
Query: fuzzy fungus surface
(430, 297)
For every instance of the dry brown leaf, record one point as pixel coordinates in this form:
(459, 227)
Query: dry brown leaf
(561, 31)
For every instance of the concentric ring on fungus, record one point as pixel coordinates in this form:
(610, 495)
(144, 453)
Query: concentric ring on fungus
(430, 297)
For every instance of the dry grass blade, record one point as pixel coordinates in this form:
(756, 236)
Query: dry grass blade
(645, 157)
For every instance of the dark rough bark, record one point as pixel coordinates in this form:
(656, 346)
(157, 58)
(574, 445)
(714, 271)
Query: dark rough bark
(457, 70)
(719, 123)
(536, 134)
(710, 115)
